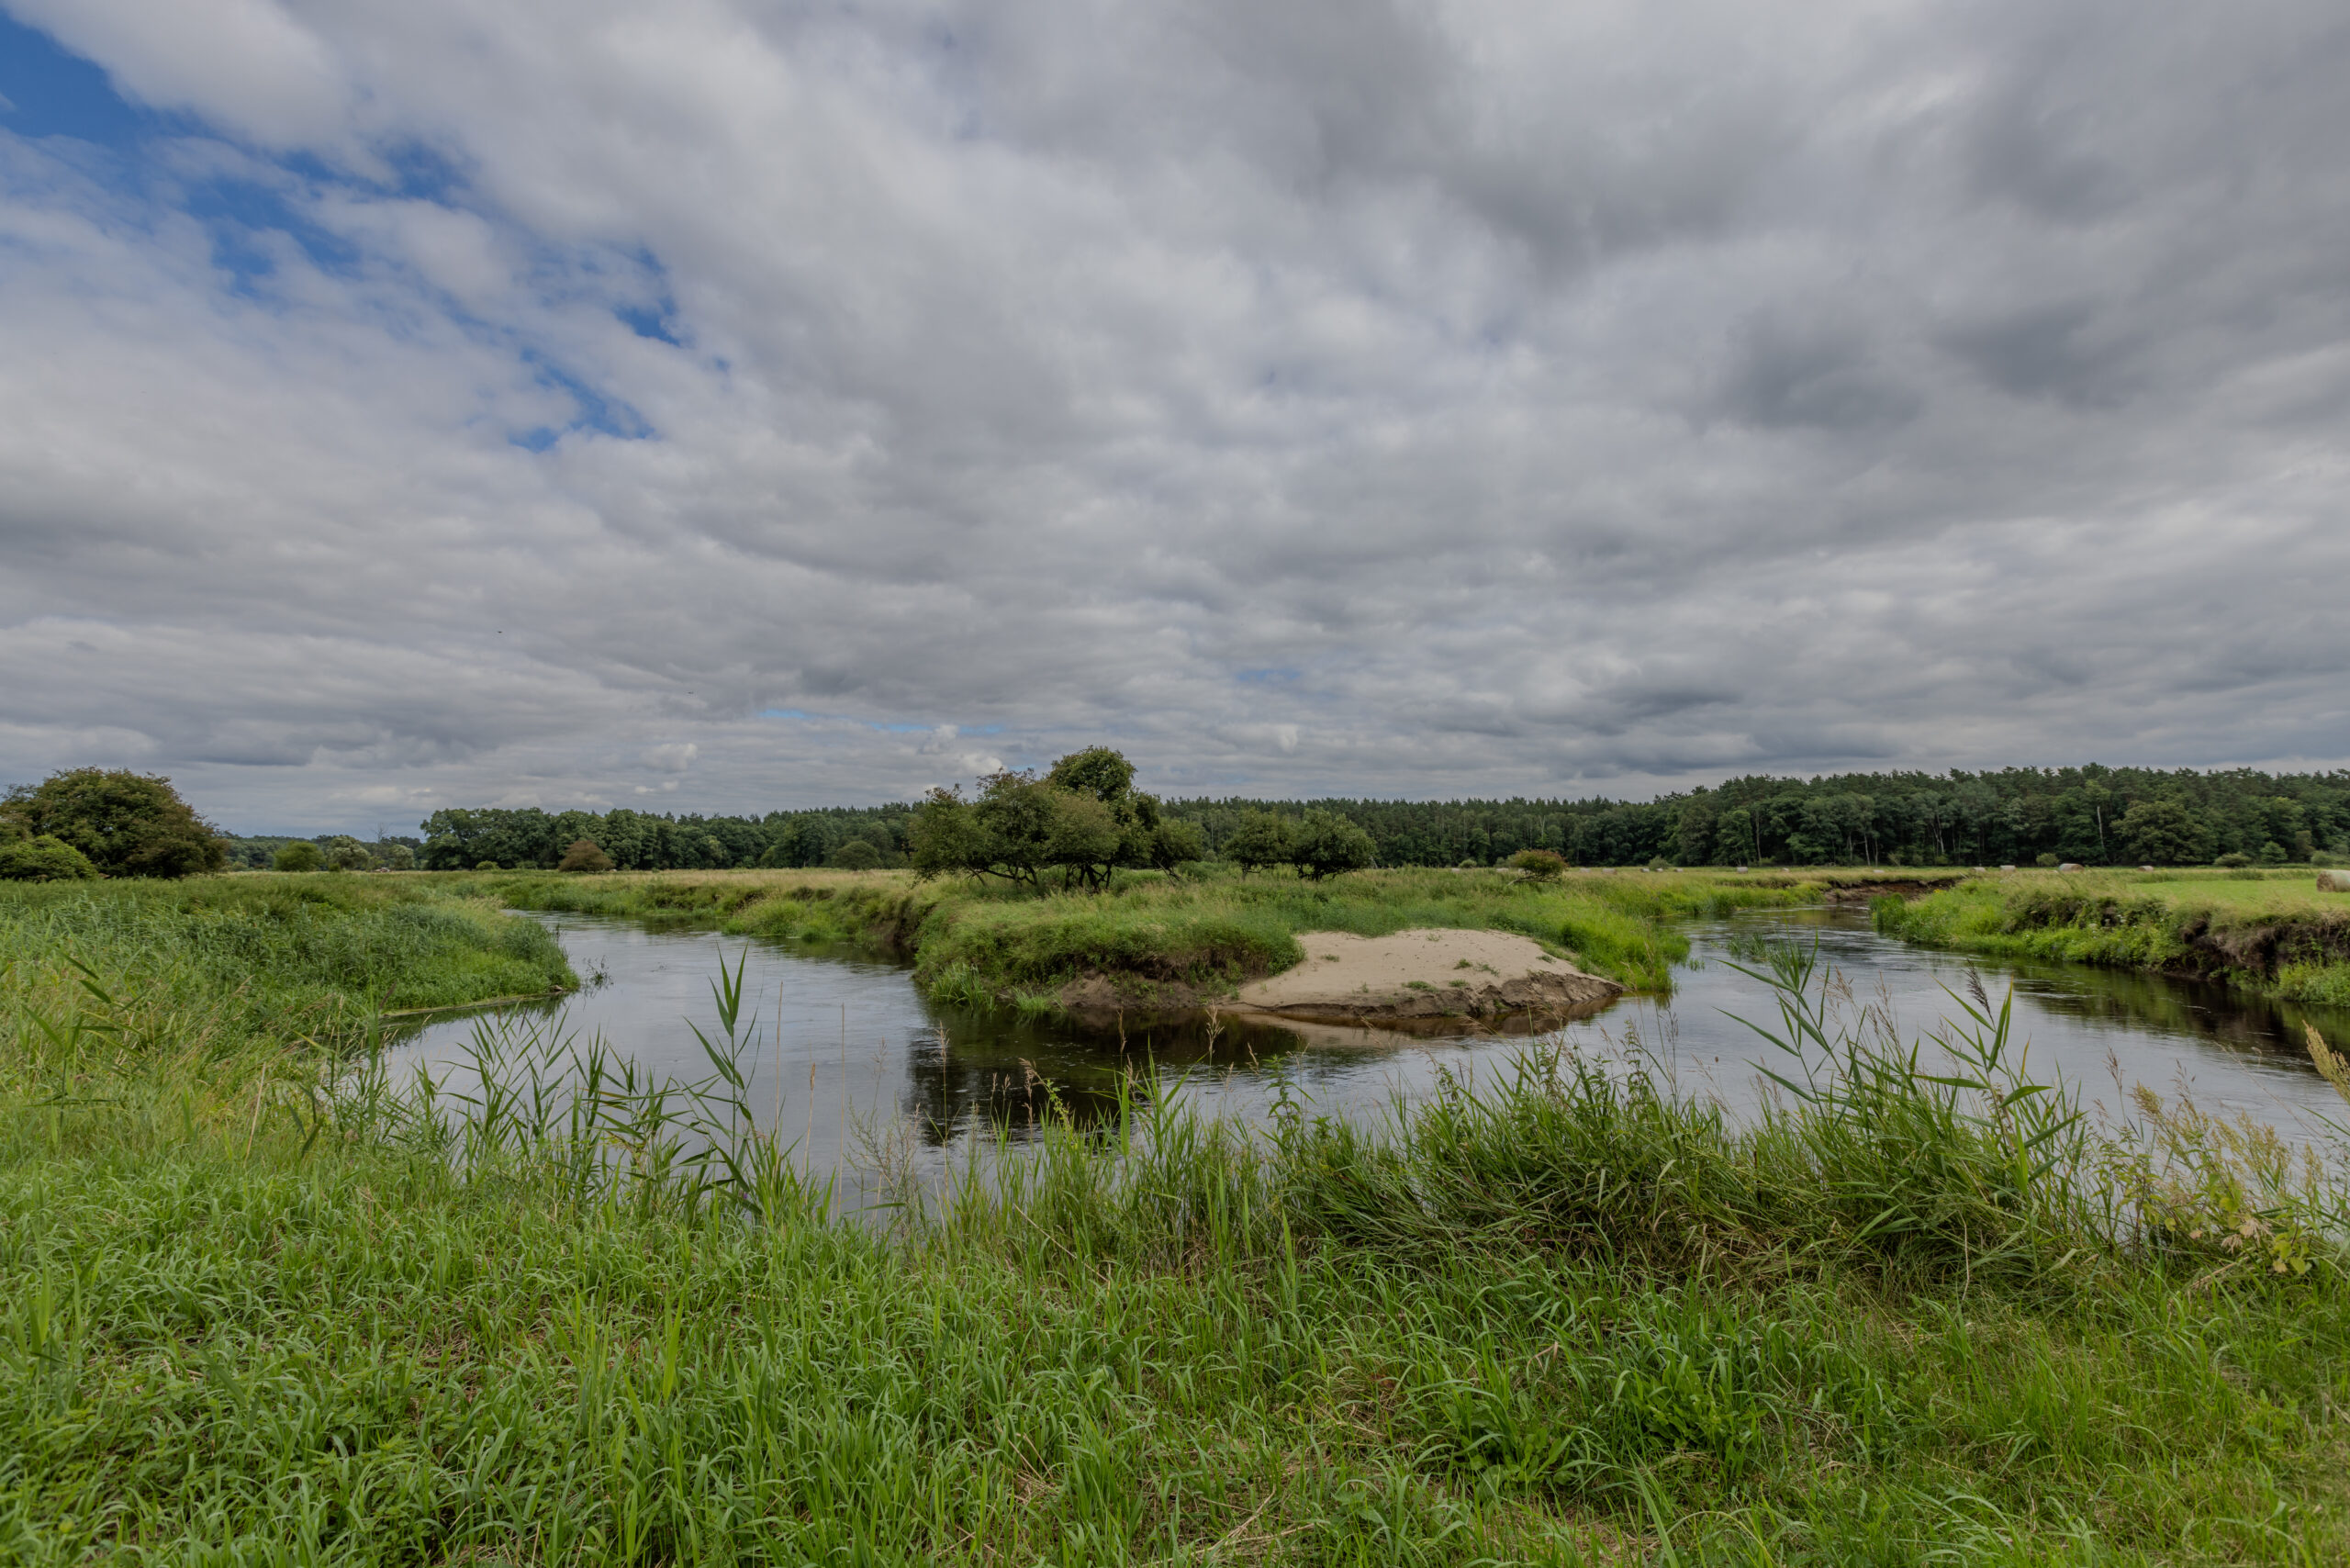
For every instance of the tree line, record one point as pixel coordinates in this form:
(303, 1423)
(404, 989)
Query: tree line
(2092, 814)
(87, 822)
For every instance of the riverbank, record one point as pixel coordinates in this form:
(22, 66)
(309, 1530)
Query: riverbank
(2271, 932)
(1152, 942)
(278, 959)
(261, 1312)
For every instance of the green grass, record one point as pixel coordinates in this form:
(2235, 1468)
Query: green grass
(261, 1314)
(1150, 932)
(2269, 932)
(280, 956)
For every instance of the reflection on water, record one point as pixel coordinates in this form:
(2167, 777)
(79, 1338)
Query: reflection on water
(852, 1060)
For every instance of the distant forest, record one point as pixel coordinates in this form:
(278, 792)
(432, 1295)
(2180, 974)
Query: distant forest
(2018, 816)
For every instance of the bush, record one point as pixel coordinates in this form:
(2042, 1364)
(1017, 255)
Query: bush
(2048, 860)
(302, 856)
(397, 856)
(126, 823)
(44, 859)
(584, 855)
(1540, 863)
(2233, 859)
(856, 855)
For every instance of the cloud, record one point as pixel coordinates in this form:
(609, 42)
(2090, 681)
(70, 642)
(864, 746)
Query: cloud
(763, 405)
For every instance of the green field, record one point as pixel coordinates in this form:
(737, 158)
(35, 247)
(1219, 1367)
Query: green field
(2268, 931)
(265, 1308)
(1151, 934)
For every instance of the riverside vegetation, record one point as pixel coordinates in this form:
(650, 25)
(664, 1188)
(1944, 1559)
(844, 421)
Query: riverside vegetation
(268, 1305)
(2272, 932)
(1155, 938)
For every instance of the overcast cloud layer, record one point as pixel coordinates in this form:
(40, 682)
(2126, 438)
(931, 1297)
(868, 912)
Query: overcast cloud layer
(728, 406)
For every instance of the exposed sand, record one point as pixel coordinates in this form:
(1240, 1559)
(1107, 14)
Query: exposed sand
(1424, 974)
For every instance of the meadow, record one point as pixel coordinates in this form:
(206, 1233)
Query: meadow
(267, 1305)
(2269, 931)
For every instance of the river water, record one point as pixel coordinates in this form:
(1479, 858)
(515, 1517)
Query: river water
(862, 1071)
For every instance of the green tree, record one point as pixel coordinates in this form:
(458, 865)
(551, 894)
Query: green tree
(1327, 844)
(1019, 828)
(1148, 837)
(584, 855)
(125, 824)
(395, 856)
(1542, 865)
(2164, 832)
(299, 855)
(48, 858)
(345, 852)
(854, 855)
(1261, 840)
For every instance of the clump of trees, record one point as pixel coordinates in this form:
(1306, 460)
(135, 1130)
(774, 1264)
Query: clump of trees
(122, 823)
(1318, 843)
(1083, 820)
(299, 855)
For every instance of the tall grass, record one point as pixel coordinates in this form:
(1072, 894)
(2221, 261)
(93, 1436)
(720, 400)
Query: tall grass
(1563, 1316)
(279, 957)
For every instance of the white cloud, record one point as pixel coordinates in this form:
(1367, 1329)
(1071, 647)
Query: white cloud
(1479, 398)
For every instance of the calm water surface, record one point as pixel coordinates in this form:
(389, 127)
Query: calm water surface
(856, 1064)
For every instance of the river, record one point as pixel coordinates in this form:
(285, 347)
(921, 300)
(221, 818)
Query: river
(862, 1071)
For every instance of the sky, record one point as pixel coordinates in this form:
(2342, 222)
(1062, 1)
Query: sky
(718, 406)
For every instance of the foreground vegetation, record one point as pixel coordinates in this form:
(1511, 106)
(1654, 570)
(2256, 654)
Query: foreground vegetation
(266, 1308)
(279, 959)
(2272, 932)
(1159, 937)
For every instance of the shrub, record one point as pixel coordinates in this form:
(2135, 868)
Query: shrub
(1540, 863)
(44, 859)
(397, 856)
(126, 823)
(300, 855)
(2050, 861)
(856, 855)
(584, 855)
(2233, 859)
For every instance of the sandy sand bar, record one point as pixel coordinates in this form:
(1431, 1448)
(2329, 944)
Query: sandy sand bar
(1426, 974)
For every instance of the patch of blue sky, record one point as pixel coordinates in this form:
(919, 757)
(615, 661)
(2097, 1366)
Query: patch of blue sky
(241, 215)
(53, 93)
(605, 416)
(649, 322)
(655, 320)
(1266, 677)
(257, 209)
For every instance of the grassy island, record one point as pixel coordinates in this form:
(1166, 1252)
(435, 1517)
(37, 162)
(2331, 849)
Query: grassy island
(264, 1308)
(1159, 938)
